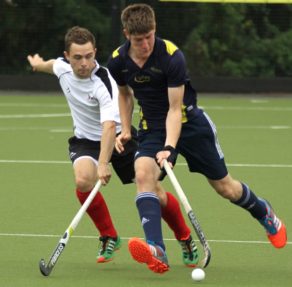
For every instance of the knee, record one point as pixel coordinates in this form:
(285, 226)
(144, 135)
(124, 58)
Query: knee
(231, 190)
(225, 191)
(142, 177)
(83, 183)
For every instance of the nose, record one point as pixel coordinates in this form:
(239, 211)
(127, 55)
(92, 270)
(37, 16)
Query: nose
(145, 44)
(83, 62)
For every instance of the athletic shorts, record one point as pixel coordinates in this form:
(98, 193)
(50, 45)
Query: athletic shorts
(123, 164)
(198, 144)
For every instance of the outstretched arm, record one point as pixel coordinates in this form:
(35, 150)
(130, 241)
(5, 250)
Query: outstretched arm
(39, 65)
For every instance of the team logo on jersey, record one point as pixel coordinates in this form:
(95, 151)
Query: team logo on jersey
(142, 79)
(90, 97)
(68, 91)
(156, 70)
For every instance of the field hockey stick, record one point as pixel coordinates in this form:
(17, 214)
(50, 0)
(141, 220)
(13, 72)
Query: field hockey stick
(192, 217)
(46, 269)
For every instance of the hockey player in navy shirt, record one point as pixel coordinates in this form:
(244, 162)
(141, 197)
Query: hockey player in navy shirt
(153, 70)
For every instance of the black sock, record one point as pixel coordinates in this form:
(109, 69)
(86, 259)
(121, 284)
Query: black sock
(150, 214)
(251, 203)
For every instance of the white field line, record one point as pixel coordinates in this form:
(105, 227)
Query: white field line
(32, 116)
(35, 161)
(4, 161)
(271, 127)
(50, 129)
(33, 105)
(61, 130)
(239, 108)
(236, 108)
(68, 130)
(126, 238)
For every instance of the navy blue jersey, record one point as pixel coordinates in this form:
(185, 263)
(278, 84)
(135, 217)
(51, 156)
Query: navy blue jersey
(164, 68)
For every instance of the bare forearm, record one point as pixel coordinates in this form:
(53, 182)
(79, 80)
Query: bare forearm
(174, 115)
(39, 65)
(126, 106)
(173, 127)
(45, 67)
(107, 142)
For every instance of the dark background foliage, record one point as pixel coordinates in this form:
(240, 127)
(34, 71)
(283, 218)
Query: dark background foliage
(238, 40)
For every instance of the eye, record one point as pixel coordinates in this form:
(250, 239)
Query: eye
(89, 56)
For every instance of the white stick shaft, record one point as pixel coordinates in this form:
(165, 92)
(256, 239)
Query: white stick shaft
(205, 261)
(177, 187)
(85, 205)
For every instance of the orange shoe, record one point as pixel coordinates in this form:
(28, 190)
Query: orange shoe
(279, 239)
(152, 255)
(276, 230)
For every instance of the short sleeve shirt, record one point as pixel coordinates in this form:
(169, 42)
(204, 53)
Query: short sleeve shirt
(91, 101)
(164, 68)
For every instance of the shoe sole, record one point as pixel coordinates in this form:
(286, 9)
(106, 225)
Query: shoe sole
(191, 265)
(279, 239)
(103, 260)
(140, 252)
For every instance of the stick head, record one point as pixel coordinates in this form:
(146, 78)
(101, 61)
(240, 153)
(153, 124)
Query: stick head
(206, 260)
(45, 270)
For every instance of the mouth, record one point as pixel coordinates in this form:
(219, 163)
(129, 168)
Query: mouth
(83, 73)
(145, 53)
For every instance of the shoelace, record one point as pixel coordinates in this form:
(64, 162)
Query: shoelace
(188, 247)
(158, 253)
(273, 224)
(108, 244)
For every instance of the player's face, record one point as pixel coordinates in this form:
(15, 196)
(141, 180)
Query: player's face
(142, 44)
(81, 59)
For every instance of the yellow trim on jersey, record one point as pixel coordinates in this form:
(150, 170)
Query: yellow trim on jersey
(235, 1)
(184, 114)
(143, 121)
(115, 53)
(170, 47)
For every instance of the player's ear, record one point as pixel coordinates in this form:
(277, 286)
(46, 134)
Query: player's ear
(126, 33)
(66, 55)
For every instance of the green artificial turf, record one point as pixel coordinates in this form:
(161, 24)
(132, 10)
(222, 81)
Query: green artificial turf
(37, 199)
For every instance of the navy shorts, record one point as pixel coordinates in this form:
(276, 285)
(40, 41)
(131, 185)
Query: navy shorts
(198, 144)
(123, 164)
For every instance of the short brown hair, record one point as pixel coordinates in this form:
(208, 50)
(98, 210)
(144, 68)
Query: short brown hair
(138, 19)
(79, 36)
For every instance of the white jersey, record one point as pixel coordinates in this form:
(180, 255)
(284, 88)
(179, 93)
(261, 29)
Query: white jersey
(92, 101)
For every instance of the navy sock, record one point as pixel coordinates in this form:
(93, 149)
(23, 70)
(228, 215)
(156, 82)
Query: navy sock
(251, 203)
(150, 214)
